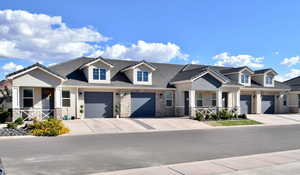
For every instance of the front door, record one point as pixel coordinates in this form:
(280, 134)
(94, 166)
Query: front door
(186, 103)
(48, 99)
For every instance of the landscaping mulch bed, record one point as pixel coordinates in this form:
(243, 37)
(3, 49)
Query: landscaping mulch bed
(12, 132)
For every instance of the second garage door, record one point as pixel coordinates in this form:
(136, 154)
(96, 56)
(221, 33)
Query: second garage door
(142, 104)
(267, 104)
(245, 104)
(98, 104)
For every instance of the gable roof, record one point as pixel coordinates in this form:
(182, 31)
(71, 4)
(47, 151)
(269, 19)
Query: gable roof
(32, 67)
(294, 83)
(236, 70)
(262, 71)
(193, 74)
(96, 60)
(151, 66)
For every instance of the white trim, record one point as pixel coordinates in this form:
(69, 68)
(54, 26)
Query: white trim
(31, 69)
(206, 72)
(133, 67)
(28, 97)
(249, 70)
(62, 98)
(264, 89)
(98, 59)
(110, 87)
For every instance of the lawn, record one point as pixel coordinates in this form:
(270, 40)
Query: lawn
(232, 122)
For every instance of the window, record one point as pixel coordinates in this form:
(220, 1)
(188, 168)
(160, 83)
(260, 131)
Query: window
(269, 80)
(96, 74)
(66, 101)
(213, 100)
(28, 97)
(169, 99)
(284, 100)
(245, 78)
(199, 99)
(99, 74)
(142, 76)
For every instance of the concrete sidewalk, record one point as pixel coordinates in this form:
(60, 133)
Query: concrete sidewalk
(287, 162)
(276, 119)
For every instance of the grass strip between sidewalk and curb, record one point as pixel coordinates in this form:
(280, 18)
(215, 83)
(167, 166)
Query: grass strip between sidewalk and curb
(232, 122)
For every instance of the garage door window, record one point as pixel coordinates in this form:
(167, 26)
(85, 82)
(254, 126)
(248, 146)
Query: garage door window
(66, 101)
(169, 99)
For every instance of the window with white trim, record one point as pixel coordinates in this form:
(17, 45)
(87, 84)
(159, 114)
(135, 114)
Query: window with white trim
(66, 100)
(142, 76)
(99, 74)
(169, 99)
(199, 99)
(269, 79)
(245, 78)
(213, 100)
(28, 97)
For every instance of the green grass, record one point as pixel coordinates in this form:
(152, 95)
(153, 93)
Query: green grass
(233, 122)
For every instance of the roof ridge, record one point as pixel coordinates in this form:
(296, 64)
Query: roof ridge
(67, 61)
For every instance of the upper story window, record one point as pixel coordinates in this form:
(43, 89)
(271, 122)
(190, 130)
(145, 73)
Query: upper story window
(28, 97)
(142, 76)
(245, 78)
(269, 80)
(99, 74)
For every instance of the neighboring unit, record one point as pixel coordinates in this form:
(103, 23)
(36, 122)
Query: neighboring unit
(97, 87)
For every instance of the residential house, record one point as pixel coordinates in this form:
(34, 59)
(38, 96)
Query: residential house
(97, 87)
(294, 94)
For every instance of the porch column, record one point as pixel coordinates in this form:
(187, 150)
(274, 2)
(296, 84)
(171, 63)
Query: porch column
(58, 102)
(258, 102)
(192, 100)
(15, 102)
(219, 99)
(237, 100)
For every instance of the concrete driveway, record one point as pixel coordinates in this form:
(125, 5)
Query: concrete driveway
(276, 119)
(113, 125)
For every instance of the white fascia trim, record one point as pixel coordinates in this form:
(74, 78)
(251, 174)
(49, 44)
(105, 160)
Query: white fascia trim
(31, 69)
(133, 67)
(113, 87)
(95, 61)
(251, 72)
(263, 89)
(207, 72)
(181, 82)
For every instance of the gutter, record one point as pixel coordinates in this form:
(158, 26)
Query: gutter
(111, 87)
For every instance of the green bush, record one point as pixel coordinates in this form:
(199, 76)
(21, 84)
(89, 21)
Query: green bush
(11, 125)
(4, 115)
(243, 116)
(200, 117)
(49, 127)
(208, 117)
(19, 121)
(215, 116)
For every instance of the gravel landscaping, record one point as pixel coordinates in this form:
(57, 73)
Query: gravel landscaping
(12, 132)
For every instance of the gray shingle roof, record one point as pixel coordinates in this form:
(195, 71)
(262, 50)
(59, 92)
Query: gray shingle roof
(234, 69)
(294, 83)
(261, 71)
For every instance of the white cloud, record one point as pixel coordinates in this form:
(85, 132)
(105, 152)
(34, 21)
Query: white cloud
(224, 59)
(292, 74)
(39, 37)
(142, 50)
(11, 66)
(276, 53)
(291, 61)
(195, 62)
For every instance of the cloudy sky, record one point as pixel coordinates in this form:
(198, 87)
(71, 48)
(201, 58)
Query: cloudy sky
(259, 34)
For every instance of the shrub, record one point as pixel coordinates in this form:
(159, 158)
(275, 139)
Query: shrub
(4, 115)
(11, 125)
(215, 116)
(208, 117)
(243, 116)
(49, 127)
(19, 121)
(200, 117)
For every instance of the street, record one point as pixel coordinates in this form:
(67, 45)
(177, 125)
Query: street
(99, 153)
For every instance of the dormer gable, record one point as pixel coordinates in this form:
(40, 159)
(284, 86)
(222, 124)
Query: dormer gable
(140, 73)
(240, 74)
(97, 71)
(265, 77)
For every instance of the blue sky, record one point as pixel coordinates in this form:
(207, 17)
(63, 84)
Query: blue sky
(260, 34)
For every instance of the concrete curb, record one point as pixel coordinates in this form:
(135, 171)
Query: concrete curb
(217, 166)
(16, 137)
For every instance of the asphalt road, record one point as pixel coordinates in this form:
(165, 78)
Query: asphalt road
(70, 155)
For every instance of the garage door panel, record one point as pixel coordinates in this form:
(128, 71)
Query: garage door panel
(98, 104)
(268, 104)
(245, 104)
(143, 104)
